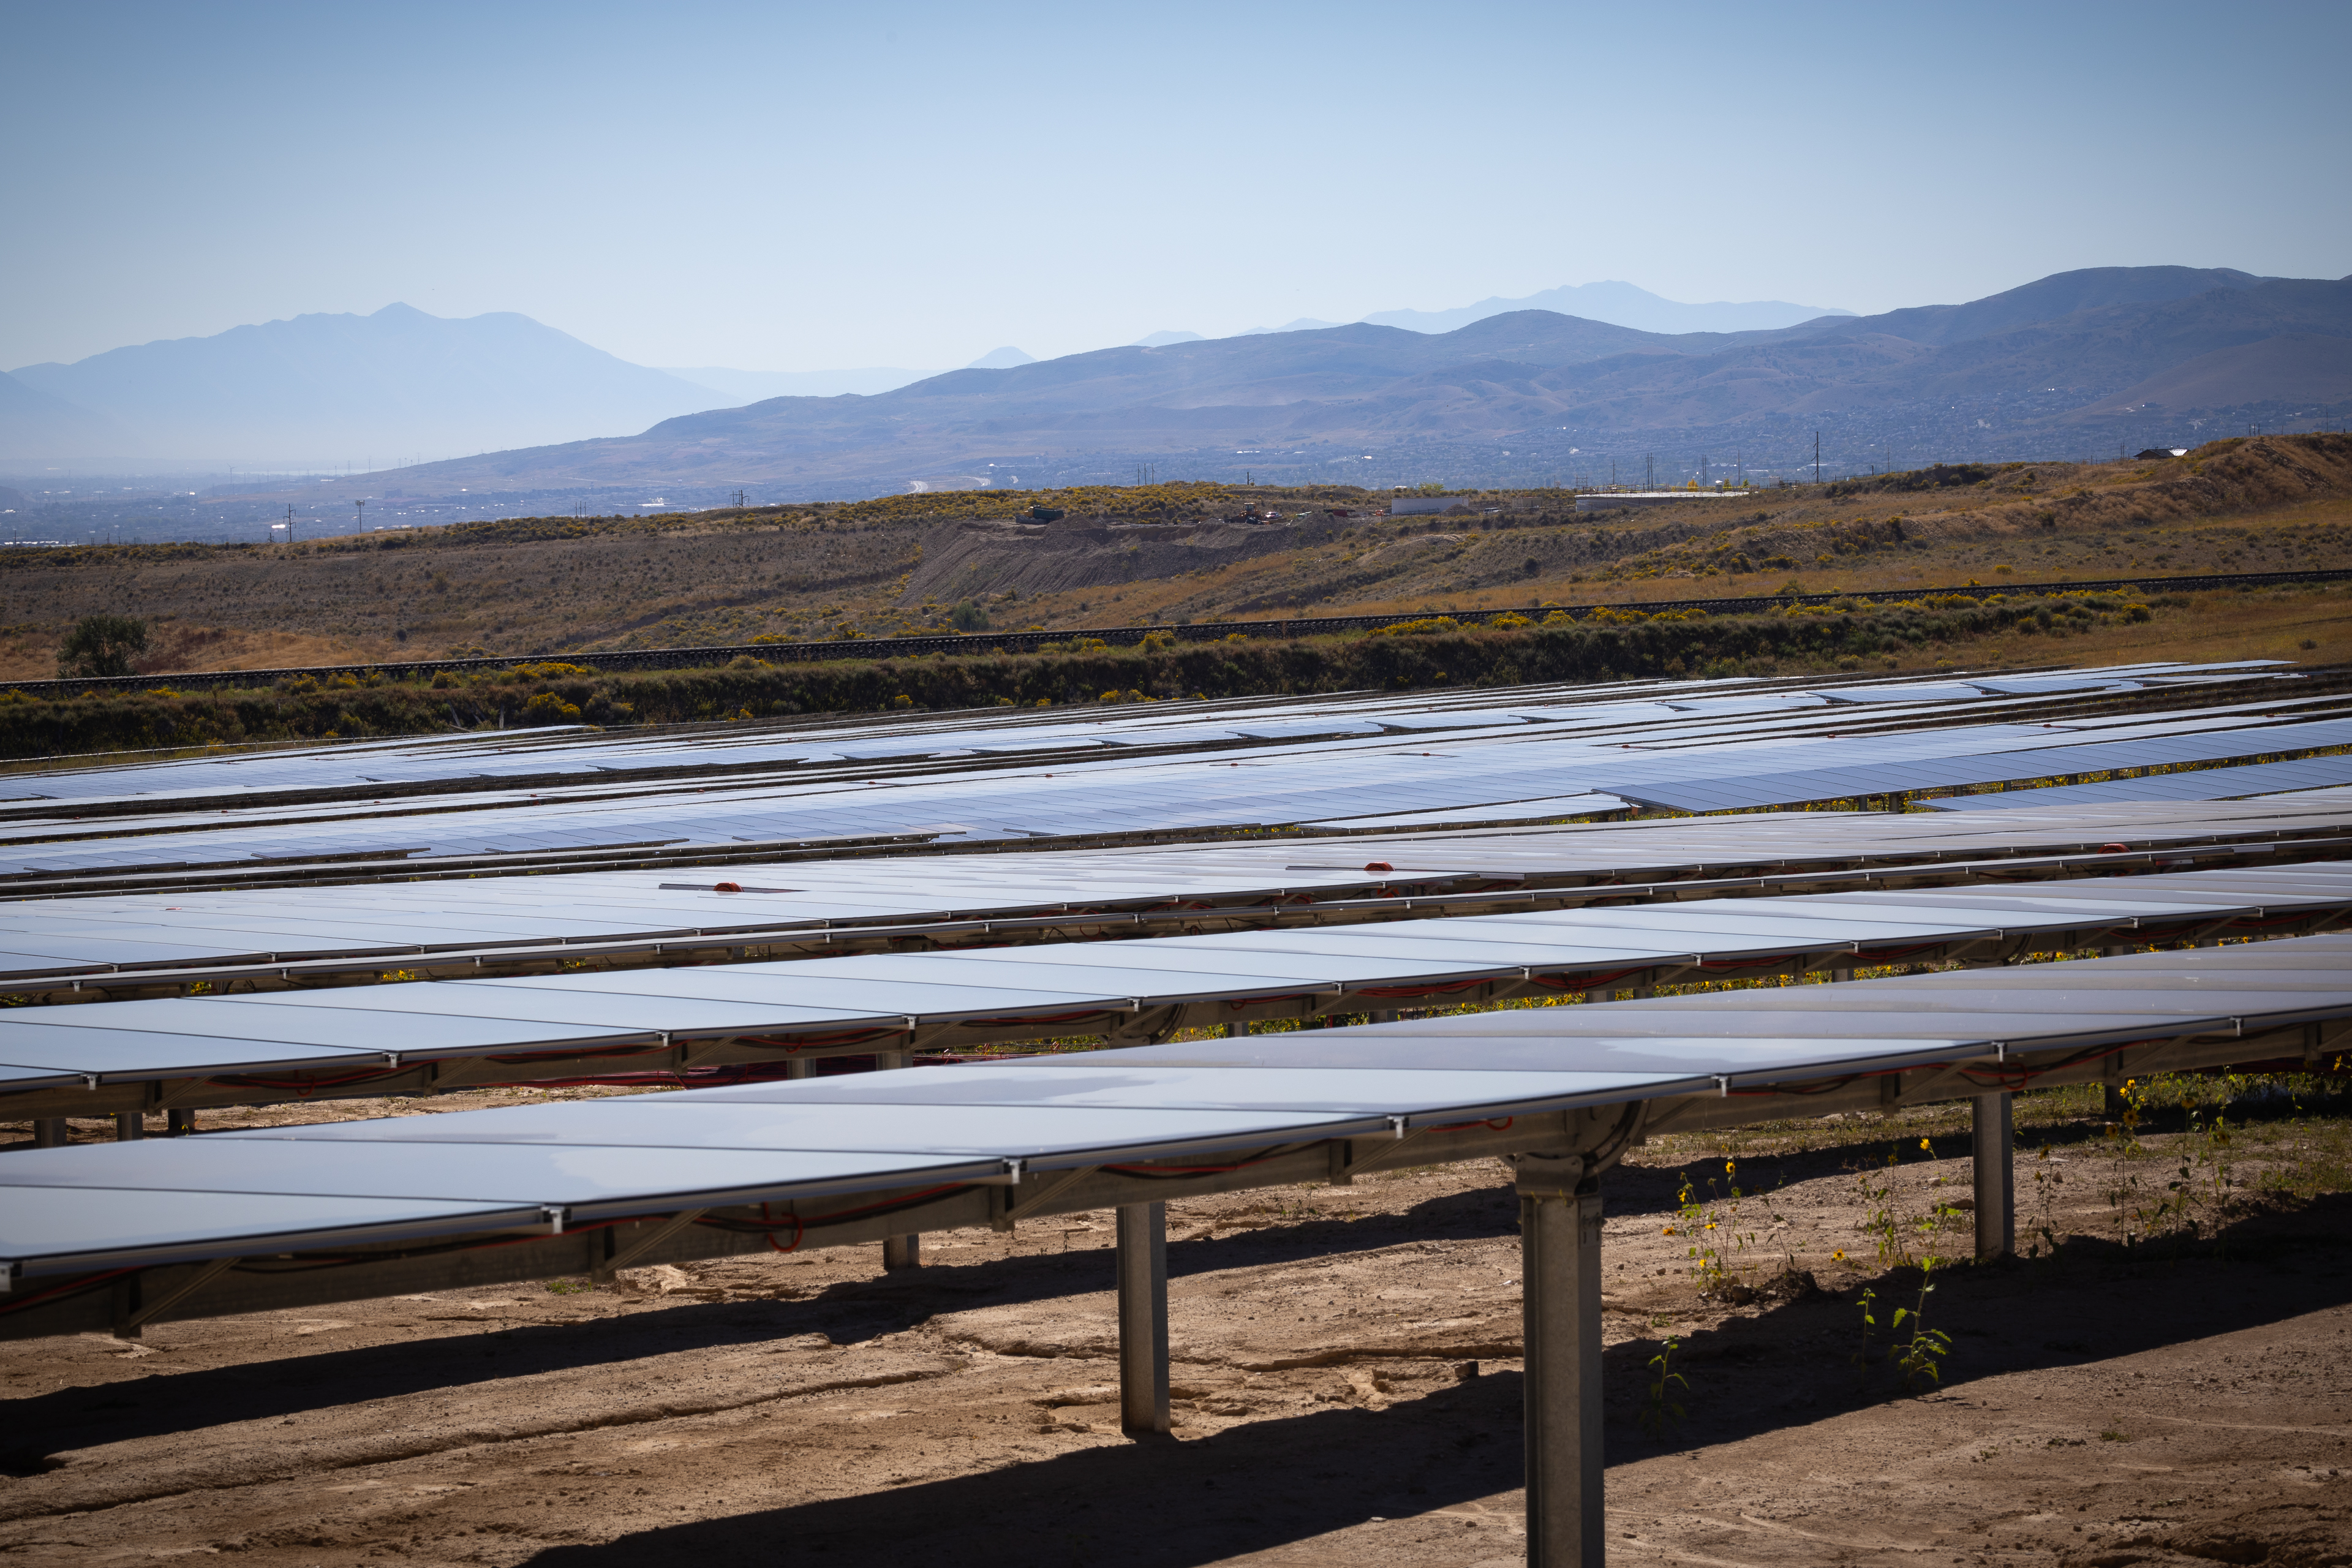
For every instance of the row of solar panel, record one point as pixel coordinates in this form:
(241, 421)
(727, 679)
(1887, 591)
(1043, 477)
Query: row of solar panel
(1334, 783)
(400, 918)
(298, 1188)
(1005, 992)
(421, 759)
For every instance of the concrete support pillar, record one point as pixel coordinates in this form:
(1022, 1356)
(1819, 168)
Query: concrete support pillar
(891, 1061)
(1840, 976)
(1143, 1318)
(1559, 1247)
(796, 1068)
(1235, 1031)
(1601, 997)
(130, 1126)
(180, 1123)
(1384, 1015)
(1996, 1177)
(49, 1132)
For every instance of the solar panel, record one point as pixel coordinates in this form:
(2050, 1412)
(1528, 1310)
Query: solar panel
(1013, 993)
(294, 1188)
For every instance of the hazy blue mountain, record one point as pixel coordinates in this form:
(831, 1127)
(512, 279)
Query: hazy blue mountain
(1303, 324)
(1524, 376)
(1621, 305)
(733, 386)
(336, 387)
(1005, 358)
(37, 427)
(1161, 340)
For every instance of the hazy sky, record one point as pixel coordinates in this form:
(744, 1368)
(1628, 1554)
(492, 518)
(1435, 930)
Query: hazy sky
(778, 186)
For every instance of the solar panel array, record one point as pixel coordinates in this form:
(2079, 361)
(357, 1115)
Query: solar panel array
(824, 901)
(1348, 765)
(1014, 993)
(541, 753)
(297, 1189)
(2200, 783)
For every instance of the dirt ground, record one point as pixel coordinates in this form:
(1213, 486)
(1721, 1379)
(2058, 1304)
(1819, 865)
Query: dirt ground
(1345, 1381)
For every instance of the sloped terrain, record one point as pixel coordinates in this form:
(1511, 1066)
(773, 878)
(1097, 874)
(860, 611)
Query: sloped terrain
(1169, 554)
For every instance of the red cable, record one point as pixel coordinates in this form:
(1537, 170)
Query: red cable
(799, 1230)
(81, 1283)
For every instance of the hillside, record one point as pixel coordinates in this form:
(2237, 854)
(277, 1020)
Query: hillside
(2034, 372)
(1132, 555)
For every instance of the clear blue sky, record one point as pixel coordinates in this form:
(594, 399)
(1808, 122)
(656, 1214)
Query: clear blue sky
(779, 186)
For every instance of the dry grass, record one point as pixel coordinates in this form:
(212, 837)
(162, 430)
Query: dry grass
(2271, 505)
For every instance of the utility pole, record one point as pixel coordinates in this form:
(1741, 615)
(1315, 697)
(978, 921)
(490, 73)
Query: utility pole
(1817, 457)
(1650, 470)
(289, 523)
(363, 511)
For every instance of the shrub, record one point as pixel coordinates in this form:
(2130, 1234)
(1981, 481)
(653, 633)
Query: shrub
(101, 644)
(549, 707)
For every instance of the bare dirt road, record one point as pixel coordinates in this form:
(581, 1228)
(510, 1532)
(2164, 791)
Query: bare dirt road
(1346, 1385)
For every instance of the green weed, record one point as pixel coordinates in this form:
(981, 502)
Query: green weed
(1662, 1410)
(1920, 1355)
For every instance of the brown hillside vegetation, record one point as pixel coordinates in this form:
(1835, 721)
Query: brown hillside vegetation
(1168, 555)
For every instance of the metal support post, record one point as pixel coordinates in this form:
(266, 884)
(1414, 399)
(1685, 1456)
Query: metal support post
(798, 1067)
(1560, 1248)
(1840, 976)
(1601, 997)
(49, 1132)
(1235, 1031)
(1996, 1177)
(1143, 1318)
(898, 1251)
(180, 1123)
(130, 1126)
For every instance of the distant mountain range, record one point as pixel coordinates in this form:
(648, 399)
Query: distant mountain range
(1621, 305)
(1520, 377)
(2057, 361)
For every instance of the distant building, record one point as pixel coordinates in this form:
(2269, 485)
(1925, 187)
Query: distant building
(1421, 506)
